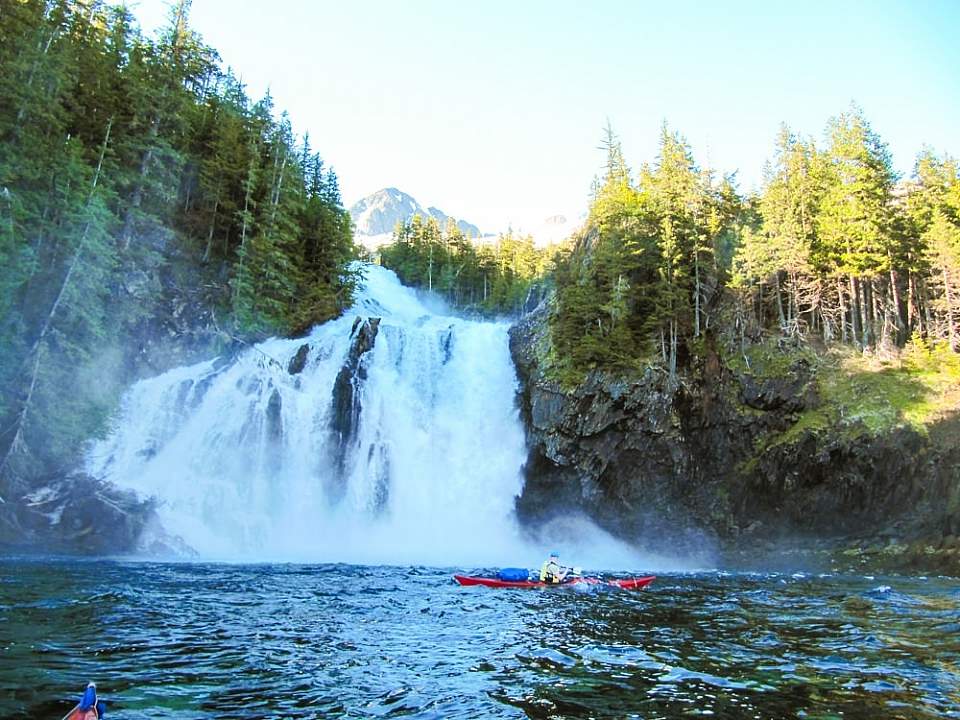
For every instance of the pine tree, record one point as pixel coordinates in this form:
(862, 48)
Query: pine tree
(855, 222)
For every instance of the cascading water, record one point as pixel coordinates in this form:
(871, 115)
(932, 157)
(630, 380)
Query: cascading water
(390, 435)
(398, 439)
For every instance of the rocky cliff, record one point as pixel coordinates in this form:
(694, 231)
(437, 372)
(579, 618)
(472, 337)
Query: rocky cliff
(737, 464)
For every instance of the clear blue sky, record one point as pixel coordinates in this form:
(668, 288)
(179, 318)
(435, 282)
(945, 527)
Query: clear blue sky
(493, 110)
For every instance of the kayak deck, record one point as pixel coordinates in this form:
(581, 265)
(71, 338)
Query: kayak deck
(78, 714)
(637, 583)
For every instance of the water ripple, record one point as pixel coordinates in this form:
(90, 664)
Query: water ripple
(302, 641)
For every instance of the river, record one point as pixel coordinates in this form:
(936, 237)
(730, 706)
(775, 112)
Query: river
(198, 640)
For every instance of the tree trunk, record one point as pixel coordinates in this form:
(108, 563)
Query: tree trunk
(673, 352)
(897, 309)
(864, 312)
(696, 294)
(243, 234)
(863, 301)
(951, 331)
(780, 315)
(911, 299)
(213, 223)
(889, 332)
(843, 311)
(22, 111)
(854, 310)
(793, 304)
(925, 299)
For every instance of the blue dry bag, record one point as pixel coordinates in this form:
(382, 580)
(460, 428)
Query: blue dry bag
(513, 574)
(89, 699)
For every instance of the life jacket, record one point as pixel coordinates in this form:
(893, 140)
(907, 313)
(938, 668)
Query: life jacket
(550, 572)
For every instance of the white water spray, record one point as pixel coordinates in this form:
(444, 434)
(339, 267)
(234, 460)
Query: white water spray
(411, 455)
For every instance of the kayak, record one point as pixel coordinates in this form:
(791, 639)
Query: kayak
(89, 707)
(637, 583)
(78, 714)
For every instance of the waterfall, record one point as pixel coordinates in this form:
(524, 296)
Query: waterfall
(388, 435)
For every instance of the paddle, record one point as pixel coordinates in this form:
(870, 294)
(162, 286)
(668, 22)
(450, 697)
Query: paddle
(568, 574)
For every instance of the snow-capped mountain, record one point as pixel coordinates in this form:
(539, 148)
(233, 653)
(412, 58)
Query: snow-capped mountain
(376, 215)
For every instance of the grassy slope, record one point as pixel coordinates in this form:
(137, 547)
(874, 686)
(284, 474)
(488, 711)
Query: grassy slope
(863, 394)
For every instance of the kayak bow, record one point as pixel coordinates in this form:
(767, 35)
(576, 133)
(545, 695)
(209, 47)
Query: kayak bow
(637, 583)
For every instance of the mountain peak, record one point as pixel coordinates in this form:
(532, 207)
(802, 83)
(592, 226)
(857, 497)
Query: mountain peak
(377, 214)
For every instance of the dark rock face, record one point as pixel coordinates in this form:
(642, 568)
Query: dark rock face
(346, 407)
(77, 514)
(678, 469)
(274, 417)
(787, 394)
(299, 361)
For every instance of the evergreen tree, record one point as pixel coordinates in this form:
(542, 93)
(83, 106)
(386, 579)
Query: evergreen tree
(135, 175)
(490, 278)
(855, 223)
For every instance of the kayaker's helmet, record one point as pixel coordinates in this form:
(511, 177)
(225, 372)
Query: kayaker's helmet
(554, 554)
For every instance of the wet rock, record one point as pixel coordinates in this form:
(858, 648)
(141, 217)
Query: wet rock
(345, 404)
(140, 284)
(75, 514)
(364, 334)
(547, 407)
(537, 294)
(299, 361)
(274, 417)
(222, 362)
(379, 458)
(204, 384)
(446, 344)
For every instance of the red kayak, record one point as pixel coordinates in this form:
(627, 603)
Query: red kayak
(637, 583)
(78, 714)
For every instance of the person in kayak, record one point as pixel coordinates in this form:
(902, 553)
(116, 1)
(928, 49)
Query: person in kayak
(552, 571)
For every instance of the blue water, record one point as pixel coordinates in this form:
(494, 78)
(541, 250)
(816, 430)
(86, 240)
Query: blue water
(319, 641)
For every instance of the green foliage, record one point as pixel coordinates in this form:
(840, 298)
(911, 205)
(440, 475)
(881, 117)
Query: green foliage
(488, 277)
(832, 248)
(767, 360)
(864, 396)
(855, 217)
(639, 279)
(846, 252)
(127, 166)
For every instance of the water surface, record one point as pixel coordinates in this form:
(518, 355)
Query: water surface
(306, 641)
